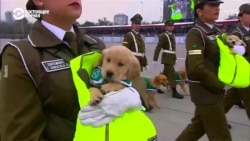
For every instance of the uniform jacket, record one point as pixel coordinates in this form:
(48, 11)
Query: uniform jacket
(244, 35)
(165, 44)
(128, 41)
(202, 63)
(37, 104)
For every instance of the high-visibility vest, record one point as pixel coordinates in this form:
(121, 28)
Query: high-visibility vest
(234, 69)
(133, 125)
(175, 15)
(192, 4)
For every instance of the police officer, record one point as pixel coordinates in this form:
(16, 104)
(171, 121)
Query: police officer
(202, 62)
(39, 100)
(235, 95)
(135, 41)
(168, 59)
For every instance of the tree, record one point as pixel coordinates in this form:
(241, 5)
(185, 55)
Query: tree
(88, 23)
(104, 21)
(230, 17)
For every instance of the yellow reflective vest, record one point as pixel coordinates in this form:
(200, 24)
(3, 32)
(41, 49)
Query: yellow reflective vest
(175, 14)
(234, 69)
(133, 125)
(192, 4)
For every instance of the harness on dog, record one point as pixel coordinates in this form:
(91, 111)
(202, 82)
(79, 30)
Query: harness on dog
(234, 69)
(96, 78)
(149, 86)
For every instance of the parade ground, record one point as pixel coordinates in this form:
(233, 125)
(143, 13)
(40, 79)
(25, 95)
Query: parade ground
(175, 114)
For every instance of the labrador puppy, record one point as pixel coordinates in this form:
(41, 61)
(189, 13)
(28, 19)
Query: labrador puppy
(152, 85)
(117, 64)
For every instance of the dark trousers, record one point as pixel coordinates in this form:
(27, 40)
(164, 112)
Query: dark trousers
(169, 71)
(235, 95)
(208, 119)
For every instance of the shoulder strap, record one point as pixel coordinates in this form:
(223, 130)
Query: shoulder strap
(169, 42)
(136, 45)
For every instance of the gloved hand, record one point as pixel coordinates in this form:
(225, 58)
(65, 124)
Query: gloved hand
(113, 105)
(154, 63)
(147, 67)
(240, 49)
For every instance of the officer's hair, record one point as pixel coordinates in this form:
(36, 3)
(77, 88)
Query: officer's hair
(240, 14)
(198, 6)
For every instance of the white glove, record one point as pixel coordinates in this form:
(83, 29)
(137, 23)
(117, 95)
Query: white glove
(239, 49)
(113, 105)
(154, 63)
(147, 67)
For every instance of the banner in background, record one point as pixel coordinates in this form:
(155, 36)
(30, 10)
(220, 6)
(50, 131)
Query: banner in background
(178, 10)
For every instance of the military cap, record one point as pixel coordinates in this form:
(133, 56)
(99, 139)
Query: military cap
(244, 8)
(169, 22)
(30, 5)
(136, 18)
(196, 2)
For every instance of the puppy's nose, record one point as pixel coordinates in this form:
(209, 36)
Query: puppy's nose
(109, 74)
(233, 42)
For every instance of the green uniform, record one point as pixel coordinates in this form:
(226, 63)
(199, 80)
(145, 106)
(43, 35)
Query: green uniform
(135, 42)
(37, 91)
(168, 45)
(207, 92)
(236, 94)
(38, 96)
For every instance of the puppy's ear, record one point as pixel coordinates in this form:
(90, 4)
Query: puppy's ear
(134, 69)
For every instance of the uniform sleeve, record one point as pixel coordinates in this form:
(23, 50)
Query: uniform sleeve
(127, 41)
(159, 46)
(22, 117)
(195, 62)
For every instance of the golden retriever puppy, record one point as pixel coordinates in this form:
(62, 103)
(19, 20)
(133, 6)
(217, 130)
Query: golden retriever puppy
(234, 40)
(117, 64)
(152, 85)
(181, 79)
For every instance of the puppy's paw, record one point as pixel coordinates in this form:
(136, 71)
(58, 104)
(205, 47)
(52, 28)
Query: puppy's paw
(112, 86)
(95, 96)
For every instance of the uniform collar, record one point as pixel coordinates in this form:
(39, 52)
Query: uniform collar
(57, 31)
(208, 29)
(169, 33)
(247, 28)
(244, 29)
(137, 33)
(40, 36)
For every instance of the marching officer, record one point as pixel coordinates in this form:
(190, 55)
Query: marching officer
(168, 44)
(235, 95)
(135, 42)
(206, 90)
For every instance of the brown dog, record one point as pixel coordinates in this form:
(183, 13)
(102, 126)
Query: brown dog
(181, 79)
(152, 85)
(118, 63)
(234, 40)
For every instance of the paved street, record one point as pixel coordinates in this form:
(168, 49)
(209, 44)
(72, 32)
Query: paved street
(175, 114)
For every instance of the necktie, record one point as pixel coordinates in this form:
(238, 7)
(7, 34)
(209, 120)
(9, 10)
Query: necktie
(70, 38)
